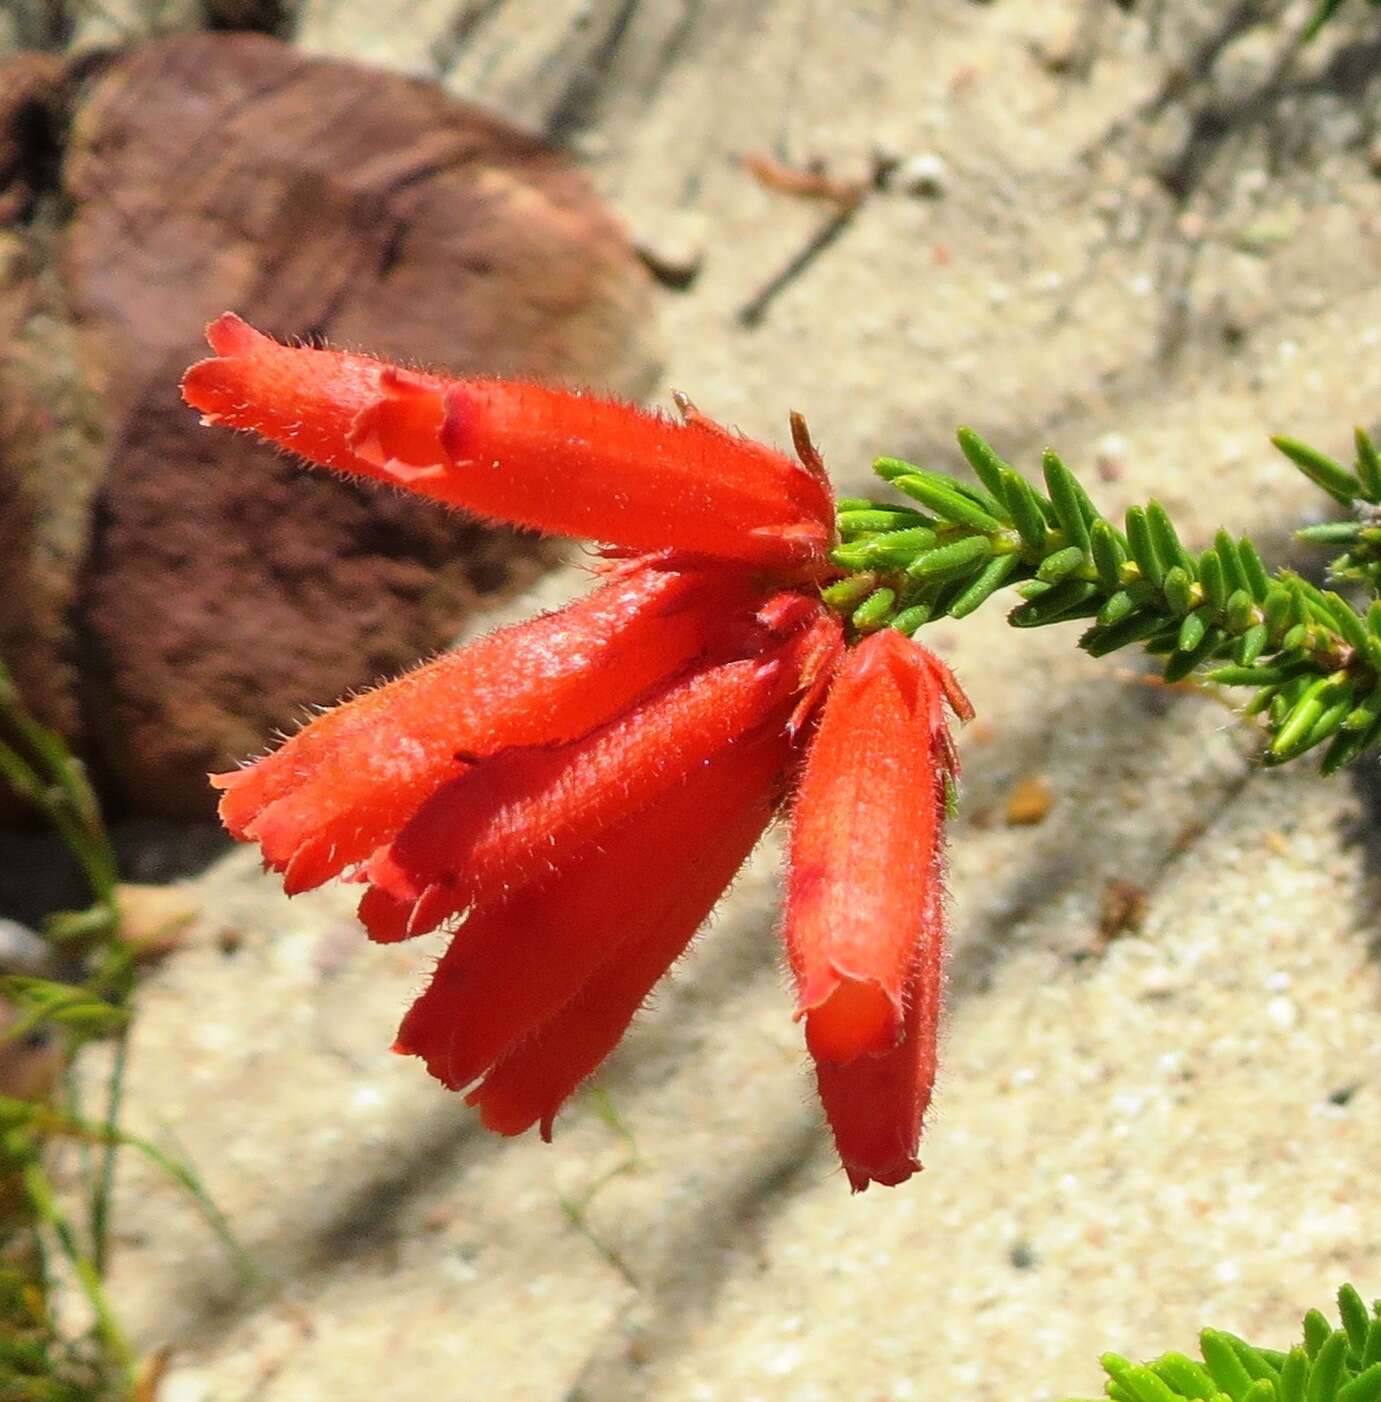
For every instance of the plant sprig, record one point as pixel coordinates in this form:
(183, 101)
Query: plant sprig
(1330, 1365)
(41, 1357)
(1313, 661)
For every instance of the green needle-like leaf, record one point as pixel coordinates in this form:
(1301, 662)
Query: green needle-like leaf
(1365, 1387)
(1368, 465)
(1257, 676)
(1325, 12)
(1026, 510)
(1117, 607)
(1187, 661)
(1317, 1332)
(909, 619)
(1145, 1386)
(988, 581)
(1329, 721)
(1178, 585)
(1252, 643)
(1356, 1318)
(1134, 628)
(987, 466)
(897, 549)
(1293, 1376)
(851, 556)
(1258, 581)
(1223, 1364)
(1065, 498)
(1364, 715)
(847, 594)
(1167, 540)
(947, 502)
(1067, 600)
(1233, 572)
(1371, 1353)
(1326, 1369)
(1214, 580)
(1142, 546)
(1108, 555)
(1345, 746)
(1330, 533)
(948, 561)
(1062, 563)
(1299, 721)
(1278, 609)
(1344, 616)
(874, 612)
(1254, 1360)
(868, 522)
(1239, 611)
(1192, 630)
(1189, 1379)
(1319, 468)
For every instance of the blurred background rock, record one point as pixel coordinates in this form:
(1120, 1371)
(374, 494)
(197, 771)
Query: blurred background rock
(173, 597)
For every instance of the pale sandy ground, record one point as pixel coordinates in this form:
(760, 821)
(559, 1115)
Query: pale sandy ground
(1124, 1146)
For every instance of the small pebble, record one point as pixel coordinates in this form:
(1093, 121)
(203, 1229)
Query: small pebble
(22, 951)
(1111, 451)
(925, 175)
(1122, 909)
(1029, 802)
(674, 265)
(155, 919)
(1282, 1013)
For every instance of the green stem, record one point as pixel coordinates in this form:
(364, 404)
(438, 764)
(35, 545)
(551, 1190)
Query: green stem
(105, 1171)
(43, 1201)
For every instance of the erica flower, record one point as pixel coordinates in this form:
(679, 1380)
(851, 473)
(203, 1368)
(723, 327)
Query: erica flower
(573, 794)
(864, 925)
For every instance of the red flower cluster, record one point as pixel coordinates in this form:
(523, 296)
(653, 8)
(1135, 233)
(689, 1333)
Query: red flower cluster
(577, 791)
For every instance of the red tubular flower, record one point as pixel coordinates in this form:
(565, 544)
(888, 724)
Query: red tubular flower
(529, 1084)
(351, 779)
(632, 901)
(575, 793)
(512, 820)
(864, 928)
(528, 454)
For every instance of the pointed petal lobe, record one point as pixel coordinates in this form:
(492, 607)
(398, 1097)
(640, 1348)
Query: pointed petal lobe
(876, 1104)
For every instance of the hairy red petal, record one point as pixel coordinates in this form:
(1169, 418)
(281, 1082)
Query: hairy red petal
(531, 1082)
(518, 818)
(513, 966)
(876, 1104)
(522, 815)
(348, 782)
(866, 831)
(529, 454)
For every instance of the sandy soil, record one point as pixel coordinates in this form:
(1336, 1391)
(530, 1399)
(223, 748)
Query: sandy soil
(1154, 240)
